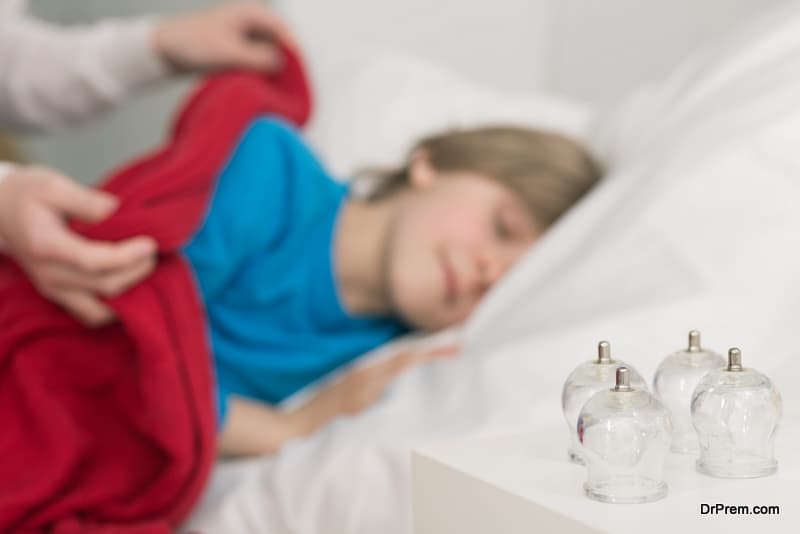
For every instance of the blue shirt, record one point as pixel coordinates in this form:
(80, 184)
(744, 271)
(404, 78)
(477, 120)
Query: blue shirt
(264, 266)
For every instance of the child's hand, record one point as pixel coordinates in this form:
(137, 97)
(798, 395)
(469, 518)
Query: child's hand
(361, 387)
(254, 428)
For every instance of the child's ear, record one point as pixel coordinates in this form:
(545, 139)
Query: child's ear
(421, 173)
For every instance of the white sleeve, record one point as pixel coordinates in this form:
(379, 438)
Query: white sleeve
(51, 75)
(5, 169)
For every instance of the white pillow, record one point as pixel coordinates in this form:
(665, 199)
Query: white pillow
(372, 105)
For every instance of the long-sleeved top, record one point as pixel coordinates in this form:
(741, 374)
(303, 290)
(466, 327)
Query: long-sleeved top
(50, 76)
(264, 264)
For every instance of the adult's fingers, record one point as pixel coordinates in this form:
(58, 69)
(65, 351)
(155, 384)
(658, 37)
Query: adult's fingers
(78, 201)
(84, 306)
(109, 284)
(117, 282)
(61, 244)
(263, 23)
(259, 56)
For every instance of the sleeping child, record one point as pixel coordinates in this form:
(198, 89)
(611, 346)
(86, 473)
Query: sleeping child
(299, 275)
(271, 275)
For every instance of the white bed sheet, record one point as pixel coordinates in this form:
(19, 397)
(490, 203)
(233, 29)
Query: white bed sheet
(696, 227)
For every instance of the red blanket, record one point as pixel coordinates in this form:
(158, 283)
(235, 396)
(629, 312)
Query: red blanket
(113, 429)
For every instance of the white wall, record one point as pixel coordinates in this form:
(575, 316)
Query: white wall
(602, 48)
(591, 49)
(504, 43)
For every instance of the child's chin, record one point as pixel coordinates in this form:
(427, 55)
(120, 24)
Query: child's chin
(435, 323)
(420, 318)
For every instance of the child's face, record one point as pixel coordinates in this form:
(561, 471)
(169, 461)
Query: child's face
(451, 240)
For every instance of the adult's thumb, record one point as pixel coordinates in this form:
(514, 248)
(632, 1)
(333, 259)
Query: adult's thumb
(81, 202)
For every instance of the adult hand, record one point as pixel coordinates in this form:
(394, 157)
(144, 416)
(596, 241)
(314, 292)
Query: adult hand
(65, 267)
(242, 34)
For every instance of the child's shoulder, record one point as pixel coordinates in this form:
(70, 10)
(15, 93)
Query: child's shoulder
(273, 126)
(270, 138)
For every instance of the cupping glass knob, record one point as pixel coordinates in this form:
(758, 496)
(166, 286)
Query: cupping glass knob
(625, 434)
(736, 411)
(675, 381)
(586, 380)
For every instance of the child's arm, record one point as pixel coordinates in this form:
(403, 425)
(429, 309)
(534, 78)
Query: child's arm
(254, 428)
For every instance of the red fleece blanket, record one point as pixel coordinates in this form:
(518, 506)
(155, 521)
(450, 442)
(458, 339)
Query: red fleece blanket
(113, 429)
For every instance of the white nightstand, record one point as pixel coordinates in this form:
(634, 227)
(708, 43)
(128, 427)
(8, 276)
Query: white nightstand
(524, 484)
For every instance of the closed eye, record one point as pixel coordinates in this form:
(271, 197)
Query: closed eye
(501, 227)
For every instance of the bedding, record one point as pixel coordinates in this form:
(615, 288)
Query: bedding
(385, 101)
(113, 429)
(695, 226)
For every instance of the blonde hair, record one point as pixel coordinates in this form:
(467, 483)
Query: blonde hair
(548, 171)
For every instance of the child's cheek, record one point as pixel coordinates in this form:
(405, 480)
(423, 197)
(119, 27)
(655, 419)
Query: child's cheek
(469, 232)
(462, 225)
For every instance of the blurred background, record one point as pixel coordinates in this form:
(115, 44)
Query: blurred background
(590, 50)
